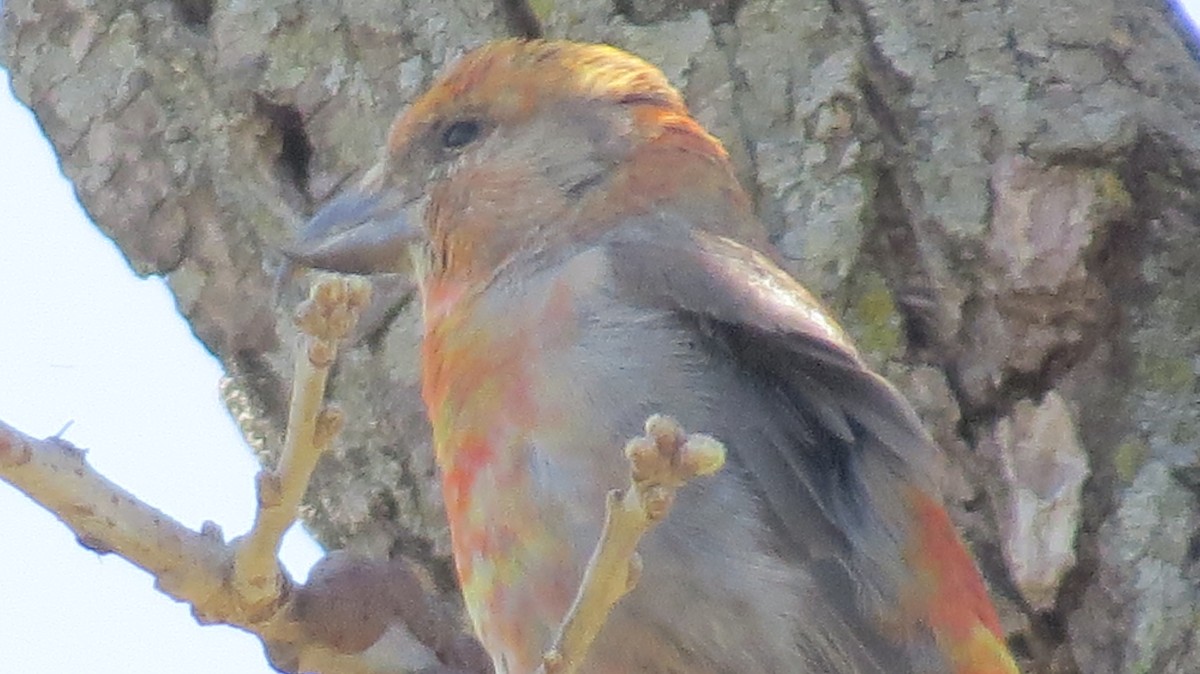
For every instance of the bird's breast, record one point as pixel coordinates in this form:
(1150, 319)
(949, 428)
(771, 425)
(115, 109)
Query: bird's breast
(488, 382)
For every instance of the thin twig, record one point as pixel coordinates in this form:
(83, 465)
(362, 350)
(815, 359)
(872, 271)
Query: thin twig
(187, 565)
(661, 462)
(198, 567)
(324, 319)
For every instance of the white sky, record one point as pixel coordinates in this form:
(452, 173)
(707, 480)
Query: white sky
(83, 341)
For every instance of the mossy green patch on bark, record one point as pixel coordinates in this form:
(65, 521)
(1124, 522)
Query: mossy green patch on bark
(872, 318)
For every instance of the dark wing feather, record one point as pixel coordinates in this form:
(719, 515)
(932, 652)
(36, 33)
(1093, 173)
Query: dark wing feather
(843, 441)
(769, 323)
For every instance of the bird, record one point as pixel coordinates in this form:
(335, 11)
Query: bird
(586, 258)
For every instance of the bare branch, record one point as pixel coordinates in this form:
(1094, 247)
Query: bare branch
(240, 583)
(324, 319)
(187, 565)
(662, 461)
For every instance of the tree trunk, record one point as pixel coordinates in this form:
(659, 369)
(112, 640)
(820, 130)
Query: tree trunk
(998, 196)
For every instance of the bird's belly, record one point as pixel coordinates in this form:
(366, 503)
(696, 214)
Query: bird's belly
(711, 599)
(695, 610)
(515, 564)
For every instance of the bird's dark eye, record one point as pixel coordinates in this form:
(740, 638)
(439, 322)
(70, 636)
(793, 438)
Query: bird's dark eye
(460, 133)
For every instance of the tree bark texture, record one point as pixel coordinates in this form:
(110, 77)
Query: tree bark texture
(998, 196)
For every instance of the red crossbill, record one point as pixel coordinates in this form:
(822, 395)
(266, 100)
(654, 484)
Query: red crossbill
(588, 258)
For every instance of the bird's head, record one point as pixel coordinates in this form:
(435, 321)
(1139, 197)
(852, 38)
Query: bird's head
(522, 146)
